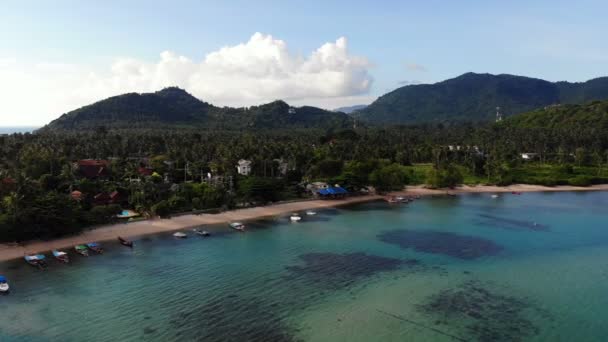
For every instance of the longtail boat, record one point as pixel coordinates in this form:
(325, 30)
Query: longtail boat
(238, 226)
(61, 256)
(37, 260)
(82, 250)
(125, 242)
(95, 247)
(4, 288)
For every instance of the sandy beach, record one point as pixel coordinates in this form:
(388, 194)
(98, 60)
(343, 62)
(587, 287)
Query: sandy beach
(153, 226)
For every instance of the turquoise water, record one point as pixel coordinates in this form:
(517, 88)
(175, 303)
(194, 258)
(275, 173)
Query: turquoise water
(469, 268)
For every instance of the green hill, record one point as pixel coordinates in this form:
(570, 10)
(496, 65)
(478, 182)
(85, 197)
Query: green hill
(589, 116)
(474, 97)
(174, 107)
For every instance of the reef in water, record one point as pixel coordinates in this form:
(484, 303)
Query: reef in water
(483, 314)
(339, 270)
(233, 318)
(445, 243)
(511, 224)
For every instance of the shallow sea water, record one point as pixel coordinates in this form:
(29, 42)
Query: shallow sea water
(469, 268)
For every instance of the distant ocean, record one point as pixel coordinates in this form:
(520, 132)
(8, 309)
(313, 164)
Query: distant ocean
(17, 129)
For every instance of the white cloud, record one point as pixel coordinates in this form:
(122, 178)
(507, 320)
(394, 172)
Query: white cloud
(257, 71)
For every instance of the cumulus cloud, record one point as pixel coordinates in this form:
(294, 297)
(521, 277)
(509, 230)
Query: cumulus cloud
(257, 71)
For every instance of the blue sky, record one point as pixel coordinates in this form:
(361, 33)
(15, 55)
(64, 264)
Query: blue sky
(48, 49)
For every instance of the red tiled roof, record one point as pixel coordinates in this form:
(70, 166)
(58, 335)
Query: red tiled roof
(144, 171)
(93, 162)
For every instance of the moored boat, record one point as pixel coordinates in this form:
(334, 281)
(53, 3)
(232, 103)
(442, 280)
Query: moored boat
(237, 226)
(37, 260)
(95, 247)
(82, 250)
(125, 242)
(295, 217)
(61, 256)
(311, 213)
(391, 199)
(180, 235)
(200, 232)
(4, 288)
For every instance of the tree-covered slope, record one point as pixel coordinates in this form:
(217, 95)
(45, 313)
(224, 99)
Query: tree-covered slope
(168, 106)
(593, 115)
(174, 107)
(474, 97)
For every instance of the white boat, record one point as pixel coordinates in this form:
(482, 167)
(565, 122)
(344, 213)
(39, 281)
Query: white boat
(180, 235)
(295, 217)
(200, 232)
(311, 213)
(494, 196)
(4, 288)
(238, 226)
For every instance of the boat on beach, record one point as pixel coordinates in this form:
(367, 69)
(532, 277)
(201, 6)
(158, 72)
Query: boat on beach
(95, 247)
(200, 232)
(4, 288)
(37, 260)
(237, 226)
(82, 250)
(391, 199)
(180, 235)
(125, 242)
(61, 256)
(295, 217)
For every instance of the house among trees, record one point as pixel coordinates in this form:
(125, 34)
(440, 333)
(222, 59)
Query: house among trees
(92, 168)
(244, 167)
(76, 195)
(144, 171)
(283, 166)
(529, 156)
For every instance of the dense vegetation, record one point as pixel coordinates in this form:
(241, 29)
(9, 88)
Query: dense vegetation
(165, 171)
(174, 107)
(474, 97)
(167, 152)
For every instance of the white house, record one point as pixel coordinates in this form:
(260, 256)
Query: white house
(244, 167)
(528, 156)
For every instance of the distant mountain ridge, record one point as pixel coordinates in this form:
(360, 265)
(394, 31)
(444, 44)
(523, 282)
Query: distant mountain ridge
(474, 97)
(350, 109)
(174, 108)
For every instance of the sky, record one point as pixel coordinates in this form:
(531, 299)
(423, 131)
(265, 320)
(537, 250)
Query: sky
(56, 56)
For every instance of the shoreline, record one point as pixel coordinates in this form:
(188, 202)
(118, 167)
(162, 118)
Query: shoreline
(189, 221)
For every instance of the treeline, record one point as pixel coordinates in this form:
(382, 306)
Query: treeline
(160, 172)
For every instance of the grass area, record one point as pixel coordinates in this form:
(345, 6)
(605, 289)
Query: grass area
(547, 174)
(417, 173)
(528, 173)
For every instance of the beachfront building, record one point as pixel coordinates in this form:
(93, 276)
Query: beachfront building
(243, 167)
(332, 192)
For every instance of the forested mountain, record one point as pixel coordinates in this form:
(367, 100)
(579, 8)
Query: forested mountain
(589, 116)
(474, 97)
(174, 107)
